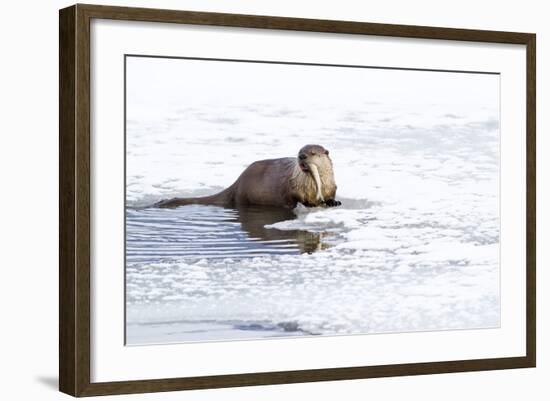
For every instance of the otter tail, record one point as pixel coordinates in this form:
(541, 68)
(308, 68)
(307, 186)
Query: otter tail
(223, 198)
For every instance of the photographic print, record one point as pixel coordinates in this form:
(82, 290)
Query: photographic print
(268, 199)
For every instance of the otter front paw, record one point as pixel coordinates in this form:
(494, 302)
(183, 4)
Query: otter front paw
(332, 202)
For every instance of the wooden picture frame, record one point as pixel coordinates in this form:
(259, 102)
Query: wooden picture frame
(74, 200)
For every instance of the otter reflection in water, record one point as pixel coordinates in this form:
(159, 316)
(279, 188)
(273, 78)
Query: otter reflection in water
(253, 220)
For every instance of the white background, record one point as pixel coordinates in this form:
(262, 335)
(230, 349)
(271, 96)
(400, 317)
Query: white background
(28, 165)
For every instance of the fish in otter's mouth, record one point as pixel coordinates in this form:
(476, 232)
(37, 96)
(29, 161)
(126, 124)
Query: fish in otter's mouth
(312, 170)
(315, 173)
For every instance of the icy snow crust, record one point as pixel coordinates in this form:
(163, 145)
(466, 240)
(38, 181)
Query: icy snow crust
(414, 246)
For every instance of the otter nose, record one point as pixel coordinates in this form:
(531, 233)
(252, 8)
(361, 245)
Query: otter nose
(302, 156)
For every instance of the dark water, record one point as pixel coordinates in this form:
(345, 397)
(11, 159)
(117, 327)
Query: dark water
(198, 231)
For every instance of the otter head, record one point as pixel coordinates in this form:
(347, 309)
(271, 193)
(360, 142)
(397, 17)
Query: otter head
(314, 160)
(313, 155)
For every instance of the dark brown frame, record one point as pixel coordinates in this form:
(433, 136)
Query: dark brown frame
(74, 199)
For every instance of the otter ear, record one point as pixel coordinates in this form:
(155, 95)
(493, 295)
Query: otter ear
(326, 152)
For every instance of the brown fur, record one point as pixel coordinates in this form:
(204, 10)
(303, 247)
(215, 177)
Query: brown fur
(276, 182)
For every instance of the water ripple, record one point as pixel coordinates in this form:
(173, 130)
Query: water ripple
(197, 231)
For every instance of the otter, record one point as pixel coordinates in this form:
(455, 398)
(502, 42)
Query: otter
(307, 179)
